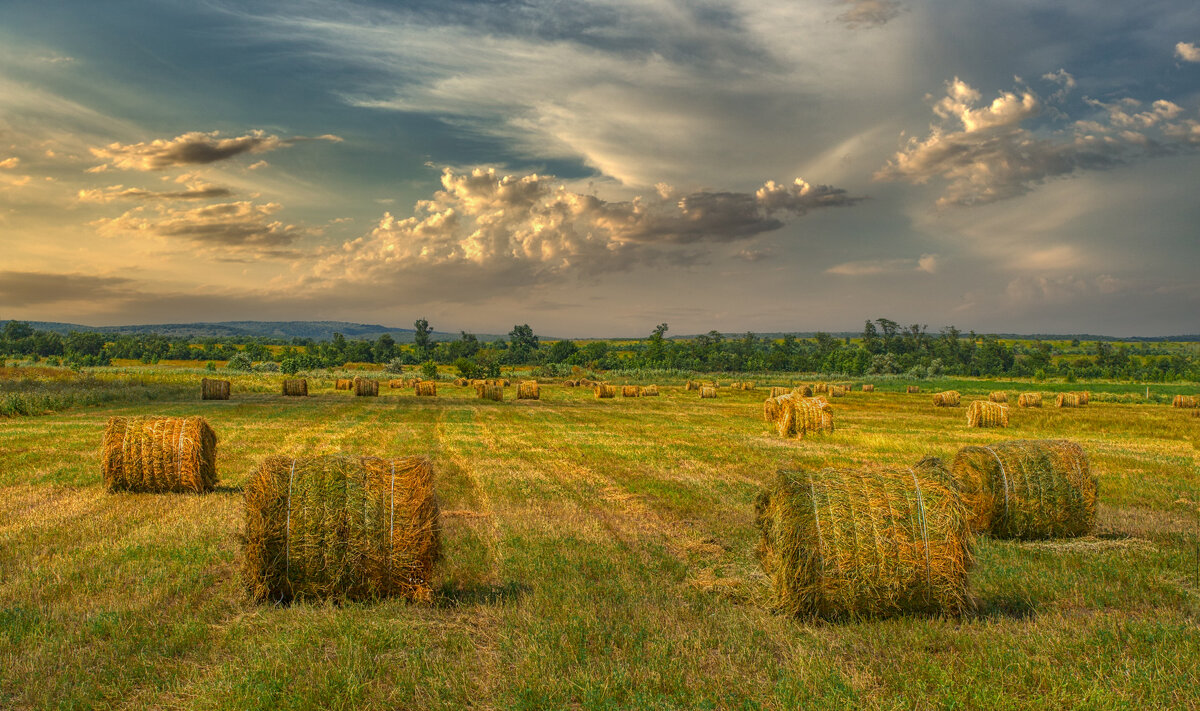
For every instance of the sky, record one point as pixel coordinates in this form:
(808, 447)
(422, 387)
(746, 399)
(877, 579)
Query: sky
(598, 168)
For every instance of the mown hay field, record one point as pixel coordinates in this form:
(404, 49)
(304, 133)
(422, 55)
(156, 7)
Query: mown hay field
(597, 553)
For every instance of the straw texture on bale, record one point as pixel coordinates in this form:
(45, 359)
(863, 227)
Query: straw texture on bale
(947, 398)
(488, 391)
(427, 388)
(1029, 400)
(365, 387)
(837, 391)
(460, 382)
(353, 528)
(1084, 396)
(691, 385)
(984, 413)
(1184, 401)
(868, 388)
(213, 389)
(649, 391)
(570, 383)
(159, 454)
(999, 396)
(776, 391)
(604, 390)
(396, 383)
(1067, 400)
(912, 389)
(528, 390)
(708, 391)
(821, 388)
(631, 391)
(1028, 489)
(841, 543)
(346, 384)
(803, 391)
(799, 416)
(295, 387)
(772, 406)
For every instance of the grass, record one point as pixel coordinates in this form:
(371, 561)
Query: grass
(598, 555)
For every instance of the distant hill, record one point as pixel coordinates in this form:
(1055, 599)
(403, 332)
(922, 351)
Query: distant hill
(316, 330)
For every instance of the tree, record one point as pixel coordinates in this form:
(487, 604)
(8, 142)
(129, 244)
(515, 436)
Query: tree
(656, 350)
(385, 348)
(561, 351)
(870, 339)
(522, 344)
(421, 333)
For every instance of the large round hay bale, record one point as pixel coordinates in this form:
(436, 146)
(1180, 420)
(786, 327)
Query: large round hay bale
(1029, 400)
(604, 390)
(295, 387)
(1084, 396)
(1067, 400)
(708, 391)
(366, 387)
(489, 391)
(630, 391)
(649, 391)
(528, 390)
(947, 398)
(999, 396)
(772, 406)
(912, 389)
(426, 388)
(396, 383)
(1028, 489)
(800, 416)
(1184, 401)
(838, 390)
(213, 389)
(691, 385)
(347, 384)
(984, 413)
(159, 454)
(868, 388)
(848, 543)
(821, 388)
(340, 527)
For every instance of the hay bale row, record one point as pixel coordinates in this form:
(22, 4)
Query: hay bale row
(426, 388)
(528, 390)
(346, 384)
(1028, 489)
(1068, 400)
(912, 389)
(339, 527)
(630, 391)
(947, 398)
(366, 387)
(1029, 400)
(1185, 401)
(488, 391)
(742, 386)
(213, 389)
(870, 542)
(984, 413)
(604, 390)
(708, 391)
(295, 387)
(999, 396)
(159, 454)
(649, 391)
(868, 388)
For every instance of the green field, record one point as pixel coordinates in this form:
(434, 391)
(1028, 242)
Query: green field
(598, 554)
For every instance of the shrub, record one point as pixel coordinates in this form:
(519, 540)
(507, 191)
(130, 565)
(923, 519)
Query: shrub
(239, 361)
(395, 365)
(429, 369)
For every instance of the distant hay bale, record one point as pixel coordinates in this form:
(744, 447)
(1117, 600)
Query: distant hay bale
(506, 383)
(295, 387)
(912, 389)
(1185, 401)
(489, 391)
(821, 388)
(837, 391)
(1029, 400)
(159, 454)
(868, 388)
(803, 391)
(947, 398)
(745, 385)
(691, 385)
(998, 396)
(570, 383)
(776, 391)
(630, 391)
(649, 391)
(1067, 400)
(1028, 489)
(1084, 396)
(214, 389)
(800, 416)
(353, 528)
(396, 383)
(707, 391)
(346, 384)
(461, 382)
(872, 542)
(476, 382)
(528, 390)
(366, 387)
(426, 388)
(604, 390)
(984, 413)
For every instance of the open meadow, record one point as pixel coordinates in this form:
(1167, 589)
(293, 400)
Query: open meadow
(597, 554)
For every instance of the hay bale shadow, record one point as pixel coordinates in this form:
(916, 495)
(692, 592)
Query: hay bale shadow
(470, 594)
(1006, 606)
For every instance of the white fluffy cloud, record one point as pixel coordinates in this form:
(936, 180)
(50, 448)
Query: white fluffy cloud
(1187, 51)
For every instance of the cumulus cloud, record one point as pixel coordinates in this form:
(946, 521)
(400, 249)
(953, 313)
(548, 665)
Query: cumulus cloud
(927, 263)
(1187, 51)
(535, 226)
(986, 152)
(242, 227)
(869, 13)
(10, 163)
(194, 191)
(193, 148)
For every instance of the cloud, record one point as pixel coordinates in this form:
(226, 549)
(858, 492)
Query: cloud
(927, 263)
(194, 148)
(985, 153)
(535, 227)
(10, 163)
(1187, 51)
(20, 289)
(241, 227)
(195, 191)
(869, 13)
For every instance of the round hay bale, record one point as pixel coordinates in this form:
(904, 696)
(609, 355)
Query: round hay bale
(365, 387)
(865, 542)
(295, 387)
(691, 385)
(347, 384)
(396, 383)
(159, 454)
(1067, 400)
(799, 416)
(1084, 396)
(868, 388)
(947, 398)
(1029, 400)
(630, 391)
(772, 406)
(1028, 489)
(803, 391)
(340, 527)
(426, 388)
(837, 391)
(213, 389)
(570, 384)
(708, 391)
(984, 413)
(528, 390)
(776, 391)
(649, 391)
(999, 396)
(1184, 401)
(604, 390)
(821, 388)
(488, 391)
(461, 382)
(912, 389)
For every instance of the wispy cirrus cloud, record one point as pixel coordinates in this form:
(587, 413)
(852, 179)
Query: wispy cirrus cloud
(199, 191)
(193, 148)
(926, 263)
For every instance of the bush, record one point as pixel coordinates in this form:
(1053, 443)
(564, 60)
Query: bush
(429, 369)
(466, 368)
(289, 366)
(267, 366)
(239, 361)
(210, 366)
(395, 365)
